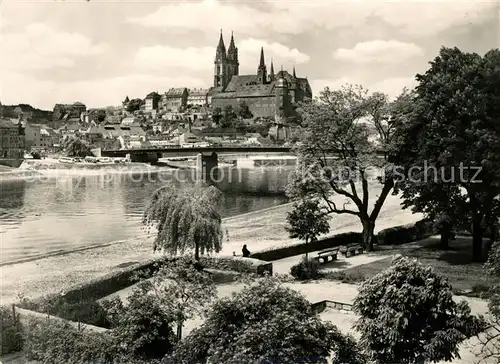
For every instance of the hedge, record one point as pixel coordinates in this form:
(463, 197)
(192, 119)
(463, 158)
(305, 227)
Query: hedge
(79, 303)
(406, 233)
(298, 249)
(393, 236)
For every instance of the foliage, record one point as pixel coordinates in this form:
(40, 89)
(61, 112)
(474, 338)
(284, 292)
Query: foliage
(346, 277)
(86, 310)
(228, 117)
(186, 218)
(305, 269)
(408, 316)
(134, 105)
(398, 235)
(265, 322)
(454, 128)
(244, 111)
(230, 264)
(489, 341)
(182, 290)
(58, 342)
(331, 127)
(307, 221)
(143, 327)
(217, 115)
(11, 332)
(76, 147)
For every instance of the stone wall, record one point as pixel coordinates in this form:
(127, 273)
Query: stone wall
(259, 106)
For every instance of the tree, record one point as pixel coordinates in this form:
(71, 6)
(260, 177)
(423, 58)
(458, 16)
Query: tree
(408, 316)
(134, 105)
(455, 129)
(228, 117)
(100, 115)
(307, 221)
(186, 218)
(182, 290)
(264, 323)
(244, 111)
(336, 151)
(76, 147)
(217, 115)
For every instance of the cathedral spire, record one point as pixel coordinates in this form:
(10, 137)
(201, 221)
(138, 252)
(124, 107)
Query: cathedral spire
(294, 75)
(261, 63)
(221, 47)
(231, 44)
(271, 72)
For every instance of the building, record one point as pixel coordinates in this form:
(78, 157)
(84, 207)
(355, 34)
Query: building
(152, 101)
(267, 95)
(68, 111)
(198, 97)
(12, 140)
(175, 99)
(40, 137)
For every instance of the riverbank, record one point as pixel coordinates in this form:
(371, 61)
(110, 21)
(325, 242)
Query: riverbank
(260, 230)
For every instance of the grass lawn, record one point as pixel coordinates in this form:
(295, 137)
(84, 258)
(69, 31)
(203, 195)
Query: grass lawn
(454, 264)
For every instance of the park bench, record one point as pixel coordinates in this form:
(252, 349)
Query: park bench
(324, 254)
(351, 250)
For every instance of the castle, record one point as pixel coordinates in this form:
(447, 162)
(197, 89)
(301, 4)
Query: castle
(267, 95)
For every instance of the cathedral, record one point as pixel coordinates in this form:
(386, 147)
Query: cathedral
(266, 94)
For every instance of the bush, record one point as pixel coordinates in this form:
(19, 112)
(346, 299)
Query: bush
(55, 342)
(406, 233)
(306, 269)
(235, 265)
(142, 327)
(346, 277)
(11, 332)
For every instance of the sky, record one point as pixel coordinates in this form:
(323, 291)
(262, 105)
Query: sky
(99, 51)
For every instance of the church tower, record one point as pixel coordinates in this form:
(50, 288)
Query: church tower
(221, 65)
(232, 57)
(271, 72)
(281, 98)
(261, 70)
(293, 87)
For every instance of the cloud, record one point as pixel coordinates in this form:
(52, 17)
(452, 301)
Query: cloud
(41, 47)
(94, 93)
(185, 60)
(379, 51)
(390, 86)
(300, 16)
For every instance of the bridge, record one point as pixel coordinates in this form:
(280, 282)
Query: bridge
(206, 157)
(153, 154)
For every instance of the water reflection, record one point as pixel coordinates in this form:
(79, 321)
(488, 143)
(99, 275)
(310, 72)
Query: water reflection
(67, 212)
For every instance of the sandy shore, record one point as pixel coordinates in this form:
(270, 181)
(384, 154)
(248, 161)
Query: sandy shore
(260, 230)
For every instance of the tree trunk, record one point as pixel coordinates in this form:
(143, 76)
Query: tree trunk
(307, 254)
(445, 238)
(477, 239)
(179, 330)
(197, 252)
(368, 228)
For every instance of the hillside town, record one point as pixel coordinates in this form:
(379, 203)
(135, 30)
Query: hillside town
(256, 110)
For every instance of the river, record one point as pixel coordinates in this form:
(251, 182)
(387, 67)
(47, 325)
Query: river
(62, 212)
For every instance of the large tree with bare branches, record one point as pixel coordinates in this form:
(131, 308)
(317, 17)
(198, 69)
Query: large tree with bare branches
(347, 147)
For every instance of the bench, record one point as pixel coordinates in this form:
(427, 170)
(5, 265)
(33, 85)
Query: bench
(324, 254)
(351, 250)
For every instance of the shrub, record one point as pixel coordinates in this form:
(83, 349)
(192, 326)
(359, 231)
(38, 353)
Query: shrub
(236, 265)
(408, 315)
(346, 277)
(306, 269)
(142, 327)
(11, 332)
(406, 233)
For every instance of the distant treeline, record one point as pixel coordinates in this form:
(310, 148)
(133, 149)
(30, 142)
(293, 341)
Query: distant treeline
(8, 111)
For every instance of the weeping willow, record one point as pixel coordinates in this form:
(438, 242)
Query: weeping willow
(185, 219)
